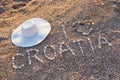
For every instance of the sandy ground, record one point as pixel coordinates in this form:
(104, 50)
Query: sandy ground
(71, 20)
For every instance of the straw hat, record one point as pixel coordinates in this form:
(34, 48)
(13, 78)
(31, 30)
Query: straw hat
(31, 32)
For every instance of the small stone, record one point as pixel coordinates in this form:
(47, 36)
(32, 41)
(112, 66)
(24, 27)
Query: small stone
(1, 10)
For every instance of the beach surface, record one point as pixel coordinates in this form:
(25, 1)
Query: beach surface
(84, 43)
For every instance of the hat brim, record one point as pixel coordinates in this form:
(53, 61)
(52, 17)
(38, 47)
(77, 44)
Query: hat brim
(43, 30)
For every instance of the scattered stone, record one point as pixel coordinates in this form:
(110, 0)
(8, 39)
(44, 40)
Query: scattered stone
(17, 6)
(2, 39)
(1, 10)
(22, 0)
(23, 11)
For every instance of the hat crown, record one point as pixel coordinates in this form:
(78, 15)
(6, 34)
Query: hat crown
(28, 29)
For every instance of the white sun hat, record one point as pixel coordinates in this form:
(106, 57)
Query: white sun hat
(31, 32)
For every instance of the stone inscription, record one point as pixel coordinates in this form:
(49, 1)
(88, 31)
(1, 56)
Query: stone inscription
(50, 51)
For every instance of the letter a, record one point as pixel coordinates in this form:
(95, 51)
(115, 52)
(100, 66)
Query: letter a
(103, 42)
(64, 47)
